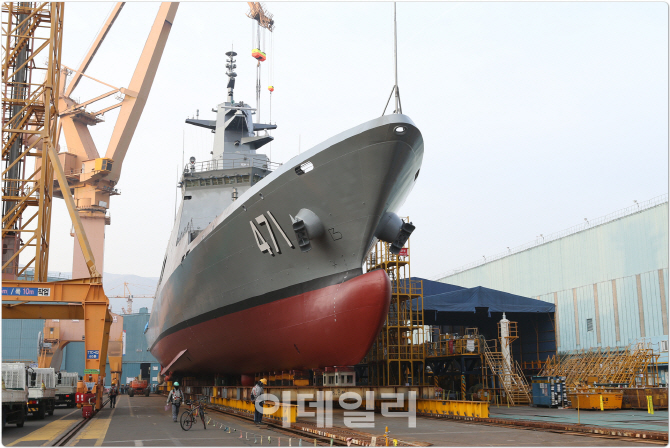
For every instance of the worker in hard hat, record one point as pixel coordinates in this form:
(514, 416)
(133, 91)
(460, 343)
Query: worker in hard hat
(175, 397)
(256, 394)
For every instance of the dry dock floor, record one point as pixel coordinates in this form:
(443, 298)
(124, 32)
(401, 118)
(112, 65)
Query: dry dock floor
(142, 421)
(623, 418)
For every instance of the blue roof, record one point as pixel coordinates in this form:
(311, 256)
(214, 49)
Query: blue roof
(431, 287)
(469, 299)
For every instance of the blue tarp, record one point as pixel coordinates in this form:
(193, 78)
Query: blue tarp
(469, 299)
(431, 287)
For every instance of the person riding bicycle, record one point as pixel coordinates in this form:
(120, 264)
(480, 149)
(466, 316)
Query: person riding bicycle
(256, 393)
(175, 397)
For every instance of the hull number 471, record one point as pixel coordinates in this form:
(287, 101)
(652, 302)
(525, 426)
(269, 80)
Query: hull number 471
(263, 245)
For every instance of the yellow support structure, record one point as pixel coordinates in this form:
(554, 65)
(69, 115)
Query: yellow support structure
(30, 79)
(636, 363)
(398, 355)
(284, 412)
(31, 68)
(80, 299)
(462, 408)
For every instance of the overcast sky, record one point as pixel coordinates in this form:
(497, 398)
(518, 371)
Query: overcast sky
(534, 115)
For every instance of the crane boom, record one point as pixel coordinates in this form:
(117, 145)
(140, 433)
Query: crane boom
(93, 177)
(94, 48)
(140, 84)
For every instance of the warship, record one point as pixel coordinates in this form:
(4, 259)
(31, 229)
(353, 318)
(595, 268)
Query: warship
(264, 266)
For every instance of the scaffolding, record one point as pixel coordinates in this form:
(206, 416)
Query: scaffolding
(398, 355)
(634, 365)
(30, 78)
(511, 379)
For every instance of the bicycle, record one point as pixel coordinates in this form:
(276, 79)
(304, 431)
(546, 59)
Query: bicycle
(188, 417)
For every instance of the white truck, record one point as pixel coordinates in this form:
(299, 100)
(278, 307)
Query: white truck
(14, 393)
(66, 388)
(41, 391)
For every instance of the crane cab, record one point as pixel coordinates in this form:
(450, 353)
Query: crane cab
(103, 164)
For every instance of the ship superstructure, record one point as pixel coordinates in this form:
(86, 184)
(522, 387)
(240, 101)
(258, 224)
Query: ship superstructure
(264, 267)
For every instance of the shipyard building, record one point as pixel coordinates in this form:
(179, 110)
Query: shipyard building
(20, 342)
(608, 278)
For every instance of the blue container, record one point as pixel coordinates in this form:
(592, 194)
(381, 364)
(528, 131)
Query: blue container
(549, 391)
(542, 391)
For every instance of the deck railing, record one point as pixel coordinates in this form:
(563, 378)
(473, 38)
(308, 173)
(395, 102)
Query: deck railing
(225, 164)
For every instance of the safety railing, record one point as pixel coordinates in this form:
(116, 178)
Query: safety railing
(448, 346)
(224, 164)
(13, 375)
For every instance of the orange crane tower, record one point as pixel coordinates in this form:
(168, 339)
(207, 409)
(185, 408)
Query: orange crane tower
(93, 178)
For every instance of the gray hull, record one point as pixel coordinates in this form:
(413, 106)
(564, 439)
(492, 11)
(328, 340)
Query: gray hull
(357, 176)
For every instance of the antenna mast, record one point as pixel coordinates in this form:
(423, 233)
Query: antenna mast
(398, 104)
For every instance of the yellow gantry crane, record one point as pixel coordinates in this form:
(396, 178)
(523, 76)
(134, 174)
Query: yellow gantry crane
(34, 98)
(30, 75)
(32, 33)
(33, 101)
(59, 333)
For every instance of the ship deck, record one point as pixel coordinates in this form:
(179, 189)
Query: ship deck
(142, 421)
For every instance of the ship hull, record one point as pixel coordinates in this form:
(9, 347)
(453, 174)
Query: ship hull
(219, 294)
(334, 325)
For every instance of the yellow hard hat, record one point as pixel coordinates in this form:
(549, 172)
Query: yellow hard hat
(264, 381)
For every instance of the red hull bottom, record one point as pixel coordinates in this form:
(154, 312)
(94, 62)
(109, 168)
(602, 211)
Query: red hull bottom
(332, 326)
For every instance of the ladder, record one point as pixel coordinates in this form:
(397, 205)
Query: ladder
(511, 377)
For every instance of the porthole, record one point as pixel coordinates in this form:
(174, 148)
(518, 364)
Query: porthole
(400, 130)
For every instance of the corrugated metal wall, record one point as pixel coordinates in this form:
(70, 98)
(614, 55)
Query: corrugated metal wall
(136, 342)
(136, 350)
(614, 274)
(19, 339)
(621, 311)
(73, 357)
(19, 342)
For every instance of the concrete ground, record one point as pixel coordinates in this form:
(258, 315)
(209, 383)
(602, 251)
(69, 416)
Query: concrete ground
(143, 421)
(443, 432)
(46, 429)
(622, 418)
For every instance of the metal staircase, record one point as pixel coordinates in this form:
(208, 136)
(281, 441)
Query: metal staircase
(511, 377)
